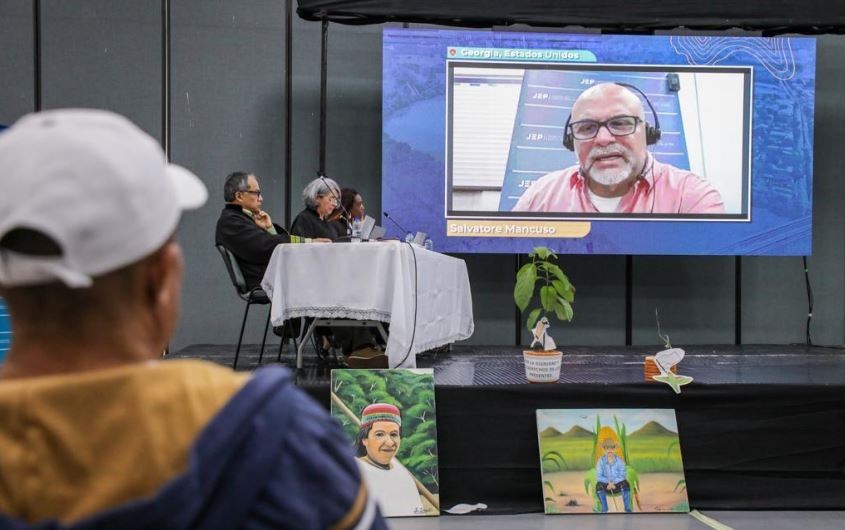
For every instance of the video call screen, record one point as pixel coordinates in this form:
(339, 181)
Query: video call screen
(718, 160)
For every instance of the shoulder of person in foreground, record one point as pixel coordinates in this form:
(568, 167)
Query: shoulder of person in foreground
(154, 414)
(318, 483)
(271, 458)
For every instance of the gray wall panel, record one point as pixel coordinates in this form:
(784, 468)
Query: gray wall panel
(774, 296)
(228, 114)
(491, 282)
(104, 54)
(306, 109)
(354, 111)
(17, 60)
(599, 310)
(827, 265)
(774, 300)
(694, 295)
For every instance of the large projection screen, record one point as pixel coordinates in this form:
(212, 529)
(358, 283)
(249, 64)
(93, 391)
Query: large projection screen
(473, 150)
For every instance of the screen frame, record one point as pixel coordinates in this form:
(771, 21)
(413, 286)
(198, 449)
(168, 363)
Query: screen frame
(748, 95)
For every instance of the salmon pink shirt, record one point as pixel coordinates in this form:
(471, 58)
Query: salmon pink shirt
(661, 189)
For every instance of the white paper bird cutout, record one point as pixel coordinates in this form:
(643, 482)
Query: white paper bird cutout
(665, 360)
(541, 335)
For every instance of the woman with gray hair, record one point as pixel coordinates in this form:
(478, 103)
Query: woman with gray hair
(321, 197)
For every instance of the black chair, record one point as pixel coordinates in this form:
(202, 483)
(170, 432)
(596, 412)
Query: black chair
(250, 296)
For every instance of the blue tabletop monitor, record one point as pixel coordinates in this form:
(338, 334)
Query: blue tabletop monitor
(5, 331)
(5, 326)
(473, 120)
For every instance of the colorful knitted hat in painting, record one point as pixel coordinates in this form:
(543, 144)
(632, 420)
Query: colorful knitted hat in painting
(380, 412)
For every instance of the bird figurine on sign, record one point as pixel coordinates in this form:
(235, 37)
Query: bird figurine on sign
(541, 335)
(668, 359)
(665, 360)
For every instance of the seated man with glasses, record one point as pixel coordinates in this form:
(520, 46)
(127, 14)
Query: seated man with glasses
(615, 172)
(246, 230)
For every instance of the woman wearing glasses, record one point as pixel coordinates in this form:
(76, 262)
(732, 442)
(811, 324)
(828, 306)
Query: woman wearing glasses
(321, 197)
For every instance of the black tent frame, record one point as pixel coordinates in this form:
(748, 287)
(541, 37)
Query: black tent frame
(764, 17)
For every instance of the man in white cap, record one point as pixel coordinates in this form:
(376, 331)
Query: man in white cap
(92, 425)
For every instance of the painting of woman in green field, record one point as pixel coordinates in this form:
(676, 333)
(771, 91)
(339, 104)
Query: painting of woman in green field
(605, 461)
(389, 416)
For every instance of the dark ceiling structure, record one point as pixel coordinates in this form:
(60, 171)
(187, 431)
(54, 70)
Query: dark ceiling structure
(772, 17)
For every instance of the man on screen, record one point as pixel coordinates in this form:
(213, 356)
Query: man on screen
(615, 171)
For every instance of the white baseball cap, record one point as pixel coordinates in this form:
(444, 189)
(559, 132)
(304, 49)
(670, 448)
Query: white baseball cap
(94, 183)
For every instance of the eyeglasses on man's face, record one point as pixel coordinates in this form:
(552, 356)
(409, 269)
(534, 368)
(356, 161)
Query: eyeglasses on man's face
(617, 126)
(257, 193)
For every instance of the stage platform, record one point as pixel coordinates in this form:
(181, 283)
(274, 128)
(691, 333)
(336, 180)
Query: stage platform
(762, 427)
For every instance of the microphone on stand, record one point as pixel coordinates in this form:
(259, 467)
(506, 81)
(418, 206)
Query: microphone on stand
(400, 227)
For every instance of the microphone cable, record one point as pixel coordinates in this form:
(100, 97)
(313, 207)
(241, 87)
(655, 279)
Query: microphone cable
(808, 338)
(416, 305)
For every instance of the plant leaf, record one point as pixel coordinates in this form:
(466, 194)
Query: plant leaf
(527, 269)
(556, 455)
(673, 444)
(532, 318)
(564, 289)
(524, 288)
(548, 297)
(554, 270)
(540, 252)
(553, 461)
(560, 312)
(563, 310)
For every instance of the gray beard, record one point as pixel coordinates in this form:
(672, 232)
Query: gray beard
(610, 177)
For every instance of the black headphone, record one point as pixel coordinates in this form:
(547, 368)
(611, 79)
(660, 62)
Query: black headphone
(652, 133)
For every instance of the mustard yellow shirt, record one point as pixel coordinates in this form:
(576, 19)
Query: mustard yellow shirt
(72, 445)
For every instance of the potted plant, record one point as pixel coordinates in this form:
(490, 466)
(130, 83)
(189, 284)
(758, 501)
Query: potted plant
(554, 297)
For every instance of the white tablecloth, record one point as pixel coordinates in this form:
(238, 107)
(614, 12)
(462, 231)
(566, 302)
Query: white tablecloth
(375, 281)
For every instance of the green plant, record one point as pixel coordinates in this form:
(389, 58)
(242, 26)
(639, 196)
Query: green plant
(556, 293)
(553, 457)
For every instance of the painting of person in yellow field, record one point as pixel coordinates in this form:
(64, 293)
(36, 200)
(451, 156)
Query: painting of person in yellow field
(605, 461)
(610, 476)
